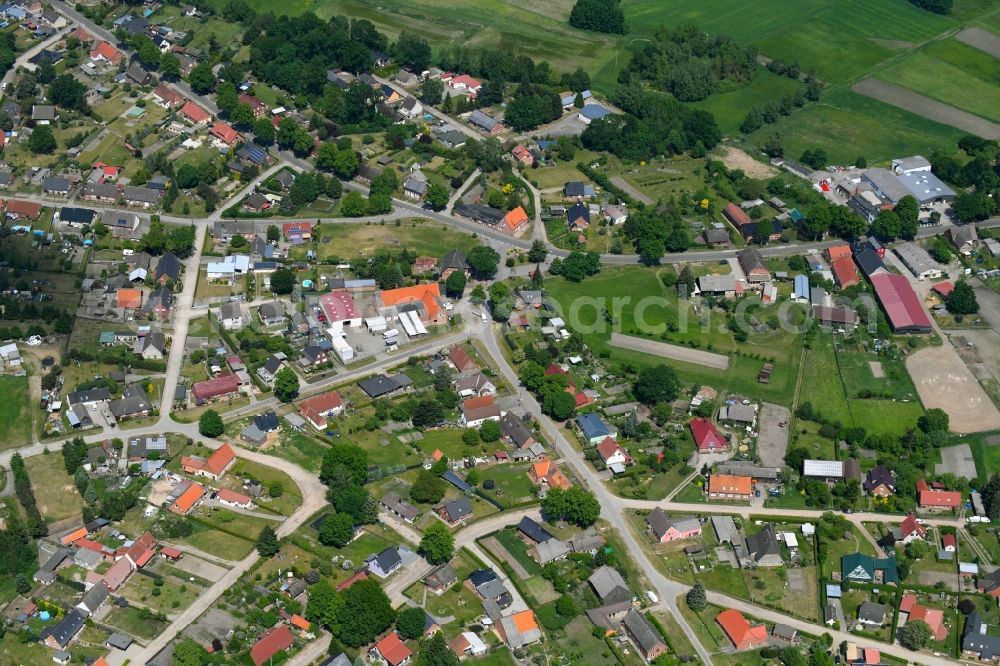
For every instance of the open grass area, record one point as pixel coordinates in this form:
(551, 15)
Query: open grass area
(172, 598)
(584, 302)
(835, 377)
(289, 499)
(847, 125)
(15, 417)
(946, 82)
(730, 108)
(301, 449)
(55, 493)
(135, 622)
(344, 241)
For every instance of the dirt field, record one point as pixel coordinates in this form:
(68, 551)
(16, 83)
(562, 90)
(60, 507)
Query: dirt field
(931, 578)
(981, 39)
(734, 158)
(675, 352)
(773, 440)
(201, 568)
(633, 191)
(927, 107)
(957, 460)
(943, 380)
(877, 371)
(985, 356)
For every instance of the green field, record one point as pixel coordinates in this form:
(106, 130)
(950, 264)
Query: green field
(847, 125)
(824, 387)
(968, 58)
(345, 241)
(741, 376)
(946, 82)
(55, 493)
(730, 108)
(15, 418)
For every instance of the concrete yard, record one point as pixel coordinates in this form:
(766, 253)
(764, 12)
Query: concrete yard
(772, 442)
(957, 460)
(674, 352)
(931, 578)
(199, 567)
(943, 381)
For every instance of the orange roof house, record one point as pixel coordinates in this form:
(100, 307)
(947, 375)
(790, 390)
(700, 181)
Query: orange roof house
(142, 550)
(522, 155)
(300, 622)
(105, 51)
(393, 650)
(725, 486)
(183, 504)
(17, 208)
(130, 299)
(214, 466)
(116, 576)
(548, 473)
(514, 220)
(224, 133)
(75, 535)
(428, 294)
(934, 617)
(845, 273)
(271, 643)
(738, 630)
(839, 252)
(940, 499)
(195, 113)
(318, 408)
(359, 576)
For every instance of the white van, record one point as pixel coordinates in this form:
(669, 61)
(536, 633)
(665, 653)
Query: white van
(391, 333)
(653, 599)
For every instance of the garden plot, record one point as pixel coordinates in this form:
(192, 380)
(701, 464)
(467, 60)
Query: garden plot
(927, 107)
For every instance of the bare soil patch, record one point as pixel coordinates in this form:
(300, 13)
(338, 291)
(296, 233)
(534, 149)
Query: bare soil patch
(927, 107)
(772, 443)
(943, 381)
(984, 40)
(877, 371)
(675, 352)
(931, 578)
(734, 158)
(957, 460)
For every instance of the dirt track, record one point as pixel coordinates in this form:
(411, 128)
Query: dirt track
(981, 39)
(943, 380)
(675, 352)
(927, 107)
(632, 190)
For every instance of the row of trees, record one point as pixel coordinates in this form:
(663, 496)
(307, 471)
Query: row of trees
(36, 527)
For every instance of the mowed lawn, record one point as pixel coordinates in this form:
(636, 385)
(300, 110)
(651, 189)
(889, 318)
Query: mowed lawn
(55, 492)
(741, 376)
(946, 82)
(344, 241)
(847, 125)
(15, 417)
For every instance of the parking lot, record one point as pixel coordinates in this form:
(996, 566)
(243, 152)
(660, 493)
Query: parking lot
(957, 460)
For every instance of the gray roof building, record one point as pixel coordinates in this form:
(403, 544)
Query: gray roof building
(763, 548)
(609, 586)
(645, 635)
(886, 184)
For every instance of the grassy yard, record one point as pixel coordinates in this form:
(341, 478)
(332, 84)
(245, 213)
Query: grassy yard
(285, 504)
(135, 622)
(301, 449)
(172, 598)
(55, 493)
(730, 108)
(206, 290)
(512, 485)
(15, 416)
(840, 547)
(343, 241)
(588, 299)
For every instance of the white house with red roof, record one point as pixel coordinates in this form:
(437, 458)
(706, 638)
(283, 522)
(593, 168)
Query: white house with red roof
(614, 456)
(910, 530)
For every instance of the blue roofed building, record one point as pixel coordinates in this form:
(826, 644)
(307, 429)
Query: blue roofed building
(594, 429)
(591, 112)
(801, 291)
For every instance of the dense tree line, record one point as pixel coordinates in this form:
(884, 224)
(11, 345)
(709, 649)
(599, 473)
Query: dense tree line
(598, 16)
(533, 106)
(26, 496)
(936, 6)
(654, 124)
(654, 233)
(690, 64)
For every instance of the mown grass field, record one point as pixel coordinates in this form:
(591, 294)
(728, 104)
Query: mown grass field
(344, 241)
(15, 419)
(741, 376)
(824, 387)
(847, 125)
(949, 83)
(730, 107)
